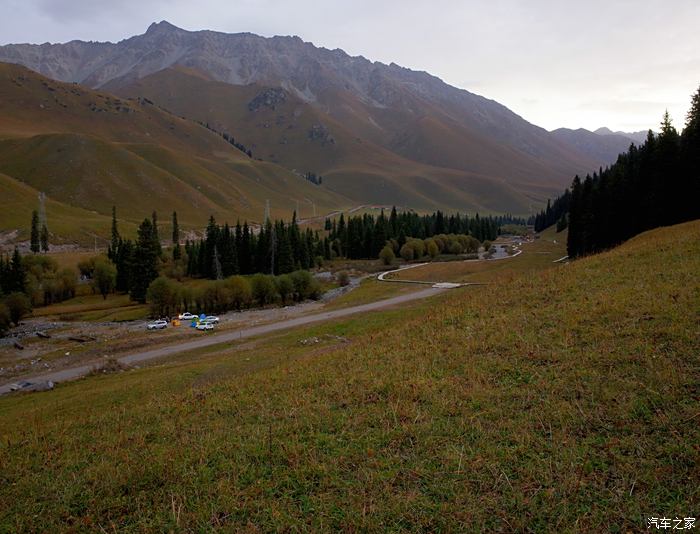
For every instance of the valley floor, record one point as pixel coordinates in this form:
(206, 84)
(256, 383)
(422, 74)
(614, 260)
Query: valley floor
(558, 399)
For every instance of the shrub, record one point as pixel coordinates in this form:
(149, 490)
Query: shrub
(163, 296)
(487, 245)
(387, 255)
(104, 277)
(5, 320)
(87, 266)
(432, 249)
(240, 292)
(454, 247)
(285, 287)
(263, 287)
(407, 252)
(18, 306)
(302, 281)
(215, 297)
(418, 248)
(314, 290)
(471, 245)
(343, 278)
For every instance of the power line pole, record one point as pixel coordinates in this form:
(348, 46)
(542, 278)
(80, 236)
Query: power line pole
(42, 209)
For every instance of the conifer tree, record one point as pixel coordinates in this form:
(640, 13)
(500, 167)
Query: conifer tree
(18, 273)
(44, 238)
(34, 234)
(115, 232)
(176, 238)
(155, 236)
(145, 262)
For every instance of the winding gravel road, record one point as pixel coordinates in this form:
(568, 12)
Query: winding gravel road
(215, 339)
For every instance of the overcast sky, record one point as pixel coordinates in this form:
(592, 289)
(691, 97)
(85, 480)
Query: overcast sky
(583, 63)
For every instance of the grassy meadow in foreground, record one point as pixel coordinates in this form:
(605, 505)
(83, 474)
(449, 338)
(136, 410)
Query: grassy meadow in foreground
(566, 400)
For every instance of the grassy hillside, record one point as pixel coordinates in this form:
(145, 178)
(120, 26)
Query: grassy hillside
(565, 400)
(92, 150)
(441, 167)
(19, 199)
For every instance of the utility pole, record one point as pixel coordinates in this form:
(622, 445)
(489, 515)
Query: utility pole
(42, 209)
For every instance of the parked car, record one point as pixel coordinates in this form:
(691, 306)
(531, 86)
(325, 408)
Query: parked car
(211, 319)
(32, 386)
(205, 326)
(186, 316)
(157, 325)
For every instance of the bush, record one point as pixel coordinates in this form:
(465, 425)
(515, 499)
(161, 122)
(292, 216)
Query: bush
(18, 306)
(285, 287)
(263, 287)
(418, 247)
(432, 249)
(87, 266)
(407, 252)
(454, 247)
(215, 297)
(104, 277)
(240, 292)
(387, 255)
(163, 296)
(471, 245)
(343, 278)
(5, 320)
(303, 282)
(487, 245)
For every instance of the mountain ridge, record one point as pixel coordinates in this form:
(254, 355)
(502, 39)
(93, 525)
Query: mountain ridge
(402, 113)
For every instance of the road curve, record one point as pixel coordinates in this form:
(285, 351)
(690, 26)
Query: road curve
(215, 339)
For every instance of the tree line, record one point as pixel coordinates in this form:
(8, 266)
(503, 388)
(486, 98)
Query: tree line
(364, 236)
(277, 248)
(229, 139)
(655, 184)
(556, 212)
(28, 281)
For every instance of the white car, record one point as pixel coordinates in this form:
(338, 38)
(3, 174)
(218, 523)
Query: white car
(186, 316)
(157, 325)
(205, 326)
(211, 319)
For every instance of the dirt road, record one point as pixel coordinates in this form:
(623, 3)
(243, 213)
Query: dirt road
(231, 336)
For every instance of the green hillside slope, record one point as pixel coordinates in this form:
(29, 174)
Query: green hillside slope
(19, 199)
(565, 400)
(350, 150)
(92, 150)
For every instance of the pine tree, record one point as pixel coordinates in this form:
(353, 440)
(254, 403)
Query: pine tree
(285, 254)
(44, 238)
(18, 273)
(245, 255)
(34, 234)
(123, 259)
(115, 232)
(155, 236)
(145, 262)
(690, 161)
(176, 238)
(342, 234)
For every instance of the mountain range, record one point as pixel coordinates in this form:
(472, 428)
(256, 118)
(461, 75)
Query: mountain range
(377, 133)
